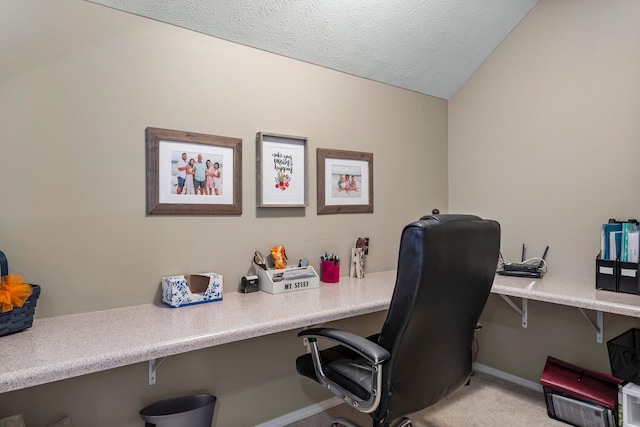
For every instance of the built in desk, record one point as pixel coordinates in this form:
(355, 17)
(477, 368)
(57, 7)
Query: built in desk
(581, 294)
(63, 347)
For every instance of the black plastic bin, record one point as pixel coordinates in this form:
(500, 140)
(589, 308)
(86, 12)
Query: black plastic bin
(192, 411)
(623, 355)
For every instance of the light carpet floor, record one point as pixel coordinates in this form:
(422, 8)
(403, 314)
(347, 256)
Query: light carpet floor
(487, 402)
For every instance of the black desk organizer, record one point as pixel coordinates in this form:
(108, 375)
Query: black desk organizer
(20, 318)
(617, 276)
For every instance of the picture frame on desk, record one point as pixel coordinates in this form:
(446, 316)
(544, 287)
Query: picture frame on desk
(170, 164)
(335, 194)
(282, 173)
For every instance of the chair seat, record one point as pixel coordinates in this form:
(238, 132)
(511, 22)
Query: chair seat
(353, 375)
(343, 366)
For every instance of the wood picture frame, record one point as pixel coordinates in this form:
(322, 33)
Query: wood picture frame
(165, 156)
(335, 194)
(282, 177)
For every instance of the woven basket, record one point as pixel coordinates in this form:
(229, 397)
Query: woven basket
(20, 318)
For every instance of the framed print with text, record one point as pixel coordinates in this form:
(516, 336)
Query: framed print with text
(193, 173)
(282, 176)
(345, 181)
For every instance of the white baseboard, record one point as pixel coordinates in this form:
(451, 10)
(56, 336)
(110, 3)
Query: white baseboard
(507, 377)
(303, 413)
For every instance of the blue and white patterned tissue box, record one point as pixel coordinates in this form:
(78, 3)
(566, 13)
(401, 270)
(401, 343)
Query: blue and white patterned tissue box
(178, 291)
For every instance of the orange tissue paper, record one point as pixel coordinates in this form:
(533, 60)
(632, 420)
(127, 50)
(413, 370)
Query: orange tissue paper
(13, 292)
(279, 257)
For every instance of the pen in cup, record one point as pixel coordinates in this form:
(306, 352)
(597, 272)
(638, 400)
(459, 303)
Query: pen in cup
(330, 257)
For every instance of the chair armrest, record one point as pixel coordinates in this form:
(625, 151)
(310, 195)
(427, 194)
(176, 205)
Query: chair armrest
(367, 349)
(372, 352)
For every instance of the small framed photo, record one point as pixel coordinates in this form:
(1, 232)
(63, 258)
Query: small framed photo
(282, 176)
(345, 181)
(192, 173)
(363, 243)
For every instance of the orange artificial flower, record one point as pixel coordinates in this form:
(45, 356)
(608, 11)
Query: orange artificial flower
(279, 257)
(13, 292)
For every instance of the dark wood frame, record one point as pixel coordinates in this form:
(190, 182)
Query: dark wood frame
(260, 161)
(322, 154)
(153, 138)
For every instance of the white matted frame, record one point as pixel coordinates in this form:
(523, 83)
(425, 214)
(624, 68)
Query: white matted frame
(282, 173)
(165, 148)
(345, 181)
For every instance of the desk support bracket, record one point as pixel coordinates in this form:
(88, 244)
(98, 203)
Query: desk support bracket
(154, 364)
(524, 311)
(598, 325)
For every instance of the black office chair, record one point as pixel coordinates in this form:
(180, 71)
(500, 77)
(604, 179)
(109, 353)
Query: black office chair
(446, 267)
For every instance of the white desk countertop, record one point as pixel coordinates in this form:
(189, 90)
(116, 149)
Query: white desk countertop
(62, 347)
(57, 348)
(570, 292)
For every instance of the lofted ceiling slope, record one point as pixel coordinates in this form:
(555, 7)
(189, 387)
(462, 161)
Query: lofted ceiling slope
(427, 46)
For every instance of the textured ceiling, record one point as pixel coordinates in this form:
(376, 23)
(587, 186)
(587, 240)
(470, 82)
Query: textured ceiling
(428, 46)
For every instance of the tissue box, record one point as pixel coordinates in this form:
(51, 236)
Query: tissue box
(191, 289)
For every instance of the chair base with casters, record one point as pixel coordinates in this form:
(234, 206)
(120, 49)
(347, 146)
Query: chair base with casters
(446, 266)
(343, 422)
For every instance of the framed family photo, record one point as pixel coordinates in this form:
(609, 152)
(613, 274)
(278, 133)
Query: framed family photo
(345, 181)
(282, 176)
(193, 173)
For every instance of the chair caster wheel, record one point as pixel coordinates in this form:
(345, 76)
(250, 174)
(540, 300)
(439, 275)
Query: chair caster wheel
(405, 422)
(343, 422)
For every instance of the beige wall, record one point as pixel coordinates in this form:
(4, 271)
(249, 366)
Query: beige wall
(84, 82)
(545, 138)
(551, 114)
(79, 83)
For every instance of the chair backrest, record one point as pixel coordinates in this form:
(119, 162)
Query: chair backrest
(446, 267)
